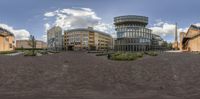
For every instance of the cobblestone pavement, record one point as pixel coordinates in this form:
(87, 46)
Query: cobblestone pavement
(78, 75)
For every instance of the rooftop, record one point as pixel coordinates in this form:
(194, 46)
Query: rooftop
(88, 29)
(195, 27)
(131, 19)
(4, 32)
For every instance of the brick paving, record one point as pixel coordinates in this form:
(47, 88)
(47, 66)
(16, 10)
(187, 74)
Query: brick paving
(78, 75)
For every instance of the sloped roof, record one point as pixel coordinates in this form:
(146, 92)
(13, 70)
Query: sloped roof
(4, 32)
(195, 27)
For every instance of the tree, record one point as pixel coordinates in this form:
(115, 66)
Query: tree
(167, 45)
(164, 44)
(32, 43)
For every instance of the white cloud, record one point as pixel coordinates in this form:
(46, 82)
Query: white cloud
(159, 23)
(74, 18)
(165, 29)
(78, 18)
(47, 26)
(44, 36)
(71, 18)
(197, 24)
(20, 34)
(108, 28)
(49, 14)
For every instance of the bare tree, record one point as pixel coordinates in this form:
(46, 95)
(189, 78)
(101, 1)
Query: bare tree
(32, 43)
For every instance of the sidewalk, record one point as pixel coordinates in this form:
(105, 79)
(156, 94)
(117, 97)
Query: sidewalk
(174, 51)
(15, 54)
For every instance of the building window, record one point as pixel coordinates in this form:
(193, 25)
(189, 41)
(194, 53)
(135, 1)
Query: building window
(7, 39)
(10, 45)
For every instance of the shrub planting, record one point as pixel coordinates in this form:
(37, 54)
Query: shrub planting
(29, 53)
(126, 56)
(8, 52)
(151, 53)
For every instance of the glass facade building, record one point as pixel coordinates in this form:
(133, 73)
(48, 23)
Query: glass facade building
(54, 38)
(132, 34)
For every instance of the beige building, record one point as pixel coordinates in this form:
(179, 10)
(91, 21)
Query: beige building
(190, 41)
(181, 36)
(87, 38)
(26, 44)
(7, 40)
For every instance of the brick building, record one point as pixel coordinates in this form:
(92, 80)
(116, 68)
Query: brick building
(25, 44)
(190, 41)
(7, 40)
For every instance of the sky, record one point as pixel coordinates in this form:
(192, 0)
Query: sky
(35, 17)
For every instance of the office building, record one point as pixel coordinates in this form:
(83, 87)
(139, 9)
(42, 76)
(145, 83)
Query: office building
(156, 42)
(87, 38)
(26, 44)
(55, 38)
(132, 34)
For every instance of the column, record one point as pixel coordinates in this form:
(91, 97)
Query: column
(131, 48)
(136, 48)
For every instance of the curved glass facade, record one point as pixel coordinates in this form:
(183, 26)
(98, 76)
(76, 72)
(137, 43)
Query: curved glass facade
(132, 34)
(137, 20)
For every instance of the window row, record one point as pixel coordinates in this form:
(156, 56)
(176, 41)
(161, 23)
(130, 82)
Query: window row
(134, 29)
(78, 39)
(133, 35)
(128, 41)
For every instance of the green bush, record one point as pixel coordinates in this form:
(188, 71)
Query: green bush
(126, 56)
(43, 52)
(95, 52)
(30, 49)
(196, 52)
(139, 54)
(7, 52)
(103, 54)
(151, 53)
(29, 53)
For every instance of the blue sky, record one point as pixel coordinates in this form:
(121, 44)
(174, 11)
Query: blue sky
(29, 15)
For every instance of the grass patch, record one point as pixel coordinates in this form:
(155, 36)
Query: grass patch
(126, 56)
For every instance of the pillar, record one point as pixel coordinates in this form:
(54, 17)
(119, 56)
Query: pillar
(136, 48)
